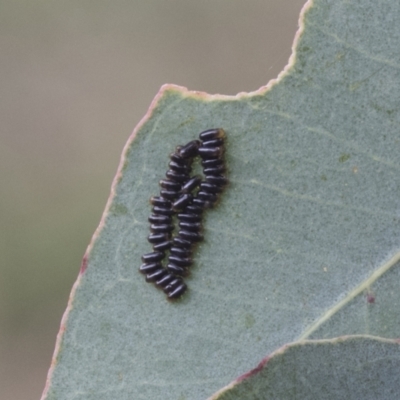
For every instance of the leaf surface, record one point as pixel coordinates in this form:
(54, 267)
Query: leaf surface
(344, 368)
(304, 244)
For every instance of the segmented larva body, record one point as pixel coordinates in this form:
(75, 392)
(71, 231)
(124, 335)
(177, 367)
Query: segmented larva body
(184, 197)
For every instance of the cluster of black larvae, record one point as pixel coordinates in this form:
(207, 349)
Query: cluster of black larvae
(185, 197)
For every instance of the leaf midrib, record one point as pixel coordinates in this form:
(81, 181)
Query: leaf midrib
(350, 296)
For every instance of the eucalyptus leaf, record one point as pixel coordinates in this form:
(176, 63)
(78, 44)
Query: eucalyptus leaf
(350, 368)
(304, 243)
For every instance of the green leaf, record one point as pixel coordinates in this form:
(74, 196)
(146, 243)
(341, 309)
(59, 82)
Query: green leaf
(344, 368)
(304, 244)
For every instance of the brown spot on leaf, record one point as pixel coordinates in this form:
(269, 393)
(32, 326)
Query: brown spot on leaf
(254, 371)
(83, 265)
(370, 298)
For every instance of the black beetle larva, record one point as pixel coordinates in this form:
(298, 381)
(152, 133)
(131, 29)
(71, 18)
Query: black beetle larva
(158, 237)
(160, 219)
(214, 143)
(177, 269)
(213, 162)
(163, 210)
(189, 217)
(190, 149)
(179, 241)
(176, 176)
(182, 202)
(190, 226)
(217, 180)
(191, 184)
(211, 134)
(180, 160)
(182, 169)
(161, 228)
(191, 236)
(214, 170)
(210, 188)
(210, 152)
(169, 194)
(170, 185)
(211, 197)
(162, 246)
(201, 203)
(160, 202)
(181, 261)
(178, 291)
(193, 209)
(180, 251)
(153, 257)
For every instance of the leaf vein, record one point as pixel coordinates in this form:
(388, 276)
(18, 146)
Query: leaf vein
(351, 295)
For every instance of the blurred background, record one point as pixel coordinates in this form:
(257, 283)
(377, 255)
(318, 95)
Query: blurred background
(75, 79)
